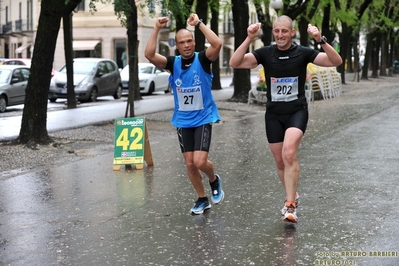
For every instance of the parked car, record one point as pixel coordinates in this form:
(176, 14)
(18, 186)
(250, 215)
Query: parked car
(92, 77)
(13, 82)
(22, 62)
(18, 61)
(151, 78)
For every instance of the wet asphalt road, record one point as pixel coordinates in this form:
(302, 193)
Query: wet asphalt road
(84, 213)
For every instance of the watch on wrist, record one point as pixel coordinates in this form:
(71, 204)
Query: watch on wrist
(199, 23)
(323, 40)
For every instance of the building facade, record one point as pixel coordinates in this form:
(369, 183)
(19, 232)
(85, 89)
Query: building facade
(18, 21)
(98, 34)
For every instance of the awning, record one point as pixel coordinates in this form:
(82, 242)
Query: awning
(22, 48)
(84, 45)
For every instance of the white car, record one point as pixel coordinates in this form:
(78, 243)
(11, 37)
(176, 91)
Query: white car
(151, 78)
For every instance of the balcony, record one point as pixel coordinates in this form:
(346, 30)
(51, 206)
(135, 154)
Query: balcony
(18, 28)
(5, 29)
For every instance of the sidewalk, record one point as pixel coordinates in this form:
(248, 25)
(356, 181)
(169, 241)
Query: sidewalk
(74, 209)
(72, 118)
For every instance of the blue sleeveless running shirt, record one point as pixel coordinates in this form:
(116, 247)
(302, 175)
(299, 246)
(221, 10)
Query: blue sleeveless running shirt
(194, 103)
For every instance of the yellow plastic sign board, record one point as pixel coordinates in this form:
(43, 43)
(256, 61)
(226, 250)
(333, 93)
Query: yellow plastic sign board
(131, 143)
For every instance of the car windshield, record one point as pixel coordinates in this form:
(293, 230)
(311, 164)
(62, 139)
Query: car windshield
(4, 75)
(145, 69)
(80, 67)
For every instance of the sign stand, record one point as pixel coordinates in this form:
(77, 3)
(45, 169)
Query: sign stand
(131, 144)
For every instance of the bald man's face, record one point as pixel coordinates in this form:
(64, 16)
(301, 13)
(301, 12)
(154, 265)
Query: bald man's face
(283, 34)
(185, 43)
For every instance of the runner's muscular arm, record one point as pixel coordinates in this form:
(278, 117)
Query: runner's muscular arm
(240, 57)
(330, 57)
(157, 59)
(213, 51)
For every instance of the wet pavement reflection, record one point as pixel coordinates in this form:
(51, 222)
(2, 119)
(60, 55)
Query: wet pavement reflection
(84, 213)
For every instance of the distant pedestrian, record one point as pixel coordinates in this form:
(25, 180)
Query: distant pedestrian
(195, 109)
(124, 59)
(286, 114)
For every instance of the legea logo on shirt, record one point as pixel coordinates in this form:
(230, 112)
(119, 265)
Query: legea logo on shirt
(189, 90)
(284, 80)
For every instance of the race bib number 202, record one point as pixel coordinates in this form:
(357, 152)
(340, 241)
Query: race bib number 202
(284, 89)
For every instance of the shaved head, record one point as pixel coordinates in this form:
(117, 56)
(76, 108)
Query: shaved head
(286, 20)
(183, 32)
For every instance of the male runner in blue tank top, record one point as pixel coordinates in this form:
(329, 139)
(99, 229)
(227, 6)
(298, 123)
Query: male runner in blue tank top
(195, 109)
(286, 114)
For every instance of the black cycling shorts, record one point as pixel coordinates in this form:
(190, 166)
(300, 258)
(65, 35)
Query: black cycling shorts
(277, 124)
(195, 139)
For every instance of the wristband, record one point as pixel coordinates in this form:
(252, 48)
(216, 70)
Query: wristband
(199, 22)
(323, 40)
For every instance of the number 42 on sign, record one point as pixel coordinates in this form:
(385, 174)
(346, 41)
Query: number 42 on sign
(131, 143)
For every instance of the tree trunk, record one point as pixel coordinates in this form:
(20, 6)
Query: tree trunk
(303, 32)
(34, 118)
(367, 56)
(216, 85)
(266, 21)
(344, 38)
(242, 77)
(325, 25)
(202, 12)
(133, 44)
(384, 54)
(356, 60)
(375, 55)
(71, 97)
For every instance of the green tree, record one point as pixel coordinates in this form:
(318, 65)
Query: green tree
(34, 117)
(180, 10)
(349, 14)
(381, 24)
(127, 12)
(262, 11)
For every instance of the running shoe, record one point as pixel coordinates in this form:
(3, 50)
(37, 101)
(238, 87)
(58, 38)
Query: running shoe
(200, 206)
(217, 191)
(284, 209)
(290, 215)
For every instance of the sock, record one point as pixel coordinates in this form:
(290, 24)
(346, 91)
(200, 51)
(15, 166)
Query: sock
(214, 182)
(288, 203)
(203, 198)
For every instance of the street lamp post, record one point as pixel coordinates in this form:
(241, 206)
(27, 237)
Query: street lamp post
(277, 5)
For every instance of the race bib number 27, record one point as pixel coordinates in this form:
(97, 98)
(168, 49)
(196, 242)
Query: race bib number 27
(190, 99)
